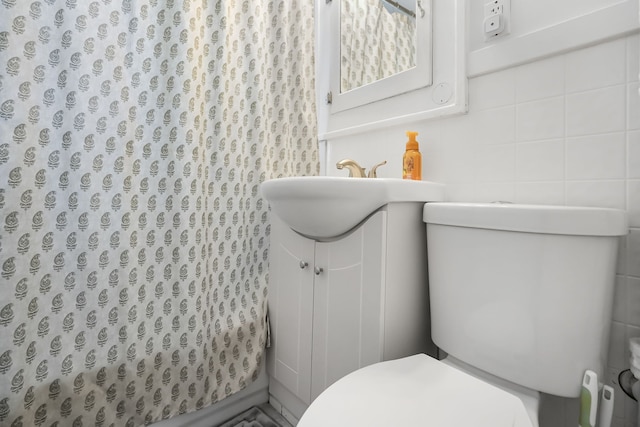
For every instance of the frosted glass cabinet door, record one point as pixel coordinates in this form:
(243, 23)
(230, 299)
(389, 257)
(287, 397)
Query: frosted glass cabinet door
(291, 309)
(347, 317)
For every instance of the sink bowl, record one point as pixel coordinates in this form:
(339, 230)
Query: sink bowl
(323, 207)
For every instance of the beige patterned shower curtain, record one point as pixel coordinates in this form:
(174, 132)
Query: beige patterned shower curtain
(133, 239)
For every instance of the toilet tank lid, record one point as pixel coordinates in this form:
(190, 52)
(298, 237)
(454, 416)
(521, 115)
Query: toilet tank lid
(570, 220)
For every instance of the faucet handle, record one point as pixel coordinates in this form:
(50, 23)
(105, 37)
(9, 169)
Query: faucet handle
(372, 172)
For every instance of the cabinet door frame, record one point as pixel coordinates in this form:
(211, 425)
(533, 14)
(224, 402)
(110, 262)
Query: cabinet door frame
(291, 309)
(348, 311)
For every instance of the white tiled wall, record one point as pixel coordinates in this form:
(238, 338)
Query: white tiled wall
(563, 130)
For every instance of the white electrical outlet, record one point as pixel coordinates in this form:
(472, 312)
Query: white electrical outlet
(497, 19)
(495, 7)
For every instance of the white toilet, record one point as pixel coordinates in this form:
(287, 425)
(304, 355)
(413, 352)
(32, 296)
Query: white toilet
(521, 299)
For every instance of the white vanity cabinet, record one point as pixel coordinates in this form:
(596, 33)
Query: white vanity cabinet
(340, 305)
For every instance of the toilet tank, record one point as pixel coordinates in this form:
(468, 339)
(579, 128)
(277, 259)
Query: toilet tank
(524, 292)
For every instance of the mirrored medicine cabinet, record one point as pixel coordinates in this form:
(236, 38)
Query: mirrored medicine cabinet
(386, 62)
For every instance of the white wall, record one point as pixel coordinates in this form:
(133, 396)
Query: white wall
(561, 130)
(531, 16)
(545, 27)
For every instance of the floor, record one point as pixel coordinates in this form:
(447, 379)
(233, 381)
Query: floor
(258, 416)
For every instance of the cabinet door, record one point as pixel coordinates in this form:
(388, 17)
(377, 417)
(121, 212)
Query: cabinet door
(290, 309)
(348, 296)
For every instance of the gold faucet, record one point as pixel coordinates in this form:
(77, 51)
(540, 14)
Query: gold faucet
(356, 171)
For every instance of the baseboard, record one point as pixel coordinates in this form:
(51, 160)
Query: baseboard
(255, 394)
(288, 404)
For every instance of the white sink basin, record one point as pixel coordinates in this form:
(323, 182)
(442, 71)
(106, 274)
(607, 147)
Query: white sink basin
(322, 207)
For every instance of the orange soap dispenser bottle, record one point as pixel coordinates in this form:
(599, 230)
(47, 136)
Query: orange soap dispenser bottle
(412, 159)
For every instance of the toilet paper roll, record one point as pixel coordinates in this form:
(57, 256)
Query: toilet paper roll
(635, 371)
(634, 346)
(634, 360)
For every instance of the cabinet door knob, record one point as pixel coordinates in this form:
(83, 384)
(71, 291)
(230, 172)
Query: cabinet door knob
(303, 264)
(318, 270)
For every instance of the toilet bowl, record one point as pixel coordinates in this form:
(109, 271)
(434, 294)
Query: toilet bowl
(520, 297)
(421, 391)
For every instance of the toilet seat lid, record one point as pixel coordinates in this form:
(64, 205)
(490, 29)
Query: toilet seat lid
(416, 390)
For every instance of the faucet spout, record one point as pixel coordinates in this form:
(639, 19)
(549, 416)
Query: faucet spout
(355, 170)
